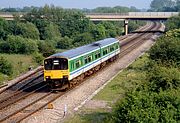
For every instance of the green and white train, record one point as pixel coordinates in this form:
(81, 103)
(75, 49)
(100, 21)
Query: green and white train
(73, 65)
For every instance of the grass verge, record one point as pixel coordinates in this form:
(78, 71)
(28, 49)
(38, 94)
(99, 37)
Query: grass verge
(20, 64)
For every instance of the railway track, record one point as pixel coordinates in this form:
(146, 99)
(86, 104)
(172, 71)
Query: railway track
(138, 41)
(15, 108)
(22, 82)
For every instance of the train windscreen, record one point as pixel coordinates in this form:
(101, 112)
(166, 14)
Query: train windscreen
(56, 64)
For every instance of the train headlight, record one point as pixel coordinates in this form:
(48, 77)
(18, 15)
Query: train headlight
(47, 77)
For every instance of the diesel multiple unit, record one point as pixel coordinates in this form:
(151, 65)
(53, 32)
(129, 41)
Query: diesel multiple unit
(72, 65)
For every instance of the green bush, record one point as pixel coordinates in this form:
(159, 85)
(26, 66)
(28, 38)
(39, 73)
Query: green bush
(173, 23)
(173, 33)
(19, 45)
(163, 78)
(46, 48)
(145, 107)
(38, 58)
(5, 66)
(166, 50)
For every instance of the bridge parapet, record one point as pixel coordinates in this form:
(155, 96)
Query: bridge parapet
(151, 14)
(131, 15)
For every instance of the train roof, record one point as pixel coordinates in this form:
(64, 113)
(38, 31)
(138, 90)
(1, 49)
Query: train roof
(85, 49)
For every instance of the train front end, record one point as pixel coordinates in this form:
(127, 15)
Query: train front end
(56, 72)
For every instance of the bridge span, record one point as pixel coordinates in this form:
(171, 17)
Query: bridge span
(131, 16)
(117, 16)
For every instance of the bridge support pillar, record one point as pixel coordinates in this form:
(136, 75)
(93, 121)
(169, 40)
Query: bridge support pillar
(125, 27)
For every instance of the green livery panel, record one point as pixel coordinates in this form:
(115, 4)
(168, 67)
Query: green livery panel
(82, 60)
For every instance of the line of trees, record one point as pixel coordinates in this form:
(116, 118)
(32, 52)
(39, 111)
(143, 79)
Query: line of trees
(57, 28)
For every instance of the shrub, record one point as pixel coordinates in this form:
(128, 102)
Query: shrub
(141, 106)
(166, 50)
(38, 58)
(164, 78)
(5, 66)
(173, 33)
(17, 44)
(173, 23)
(46, 48)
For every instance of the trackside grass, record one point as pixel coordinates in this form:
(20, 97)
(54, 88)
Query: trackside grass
(128, 79)
(20, 64)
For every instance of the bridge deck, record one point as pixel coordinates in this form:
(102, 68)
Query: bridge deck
(116, 16)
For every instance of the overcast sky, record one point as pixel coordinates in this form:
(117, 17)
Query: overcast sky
(76, 3)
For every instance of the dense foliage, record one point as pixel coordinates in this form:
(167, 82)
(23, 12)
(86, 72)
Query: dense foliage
(146, 107)
(163, 78)
(165, 5)
(17, 44)
(173, 23)
(116, 9)
(166, 50)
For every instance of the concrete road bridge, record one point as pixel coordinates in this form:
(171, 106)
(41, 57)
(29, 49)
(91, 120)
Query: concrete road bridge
(117, 16)
(131, 16)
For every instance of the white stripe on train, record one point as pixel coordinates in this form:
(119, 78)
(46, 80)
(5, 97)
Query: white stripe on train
(93, 64)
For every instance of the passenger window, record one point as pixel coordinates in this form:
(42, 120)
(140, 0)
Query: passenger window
(105, 51)
(97, 55)
(72, 65)
(116, 46)
(89, 58)
(111, 48)
(78, 63)
(86, 60)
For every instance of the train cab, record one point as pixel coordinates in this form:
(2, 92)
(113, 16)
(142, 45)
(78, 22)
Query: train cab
(56, 71)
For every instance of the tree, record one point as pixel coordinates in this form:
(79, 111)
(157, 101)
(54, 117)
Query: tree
(82, 39)
(98, 32)
(110, 29)
(3, 29)
(64, 43)
(159, 5)
(28, 30)
(51, 31)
